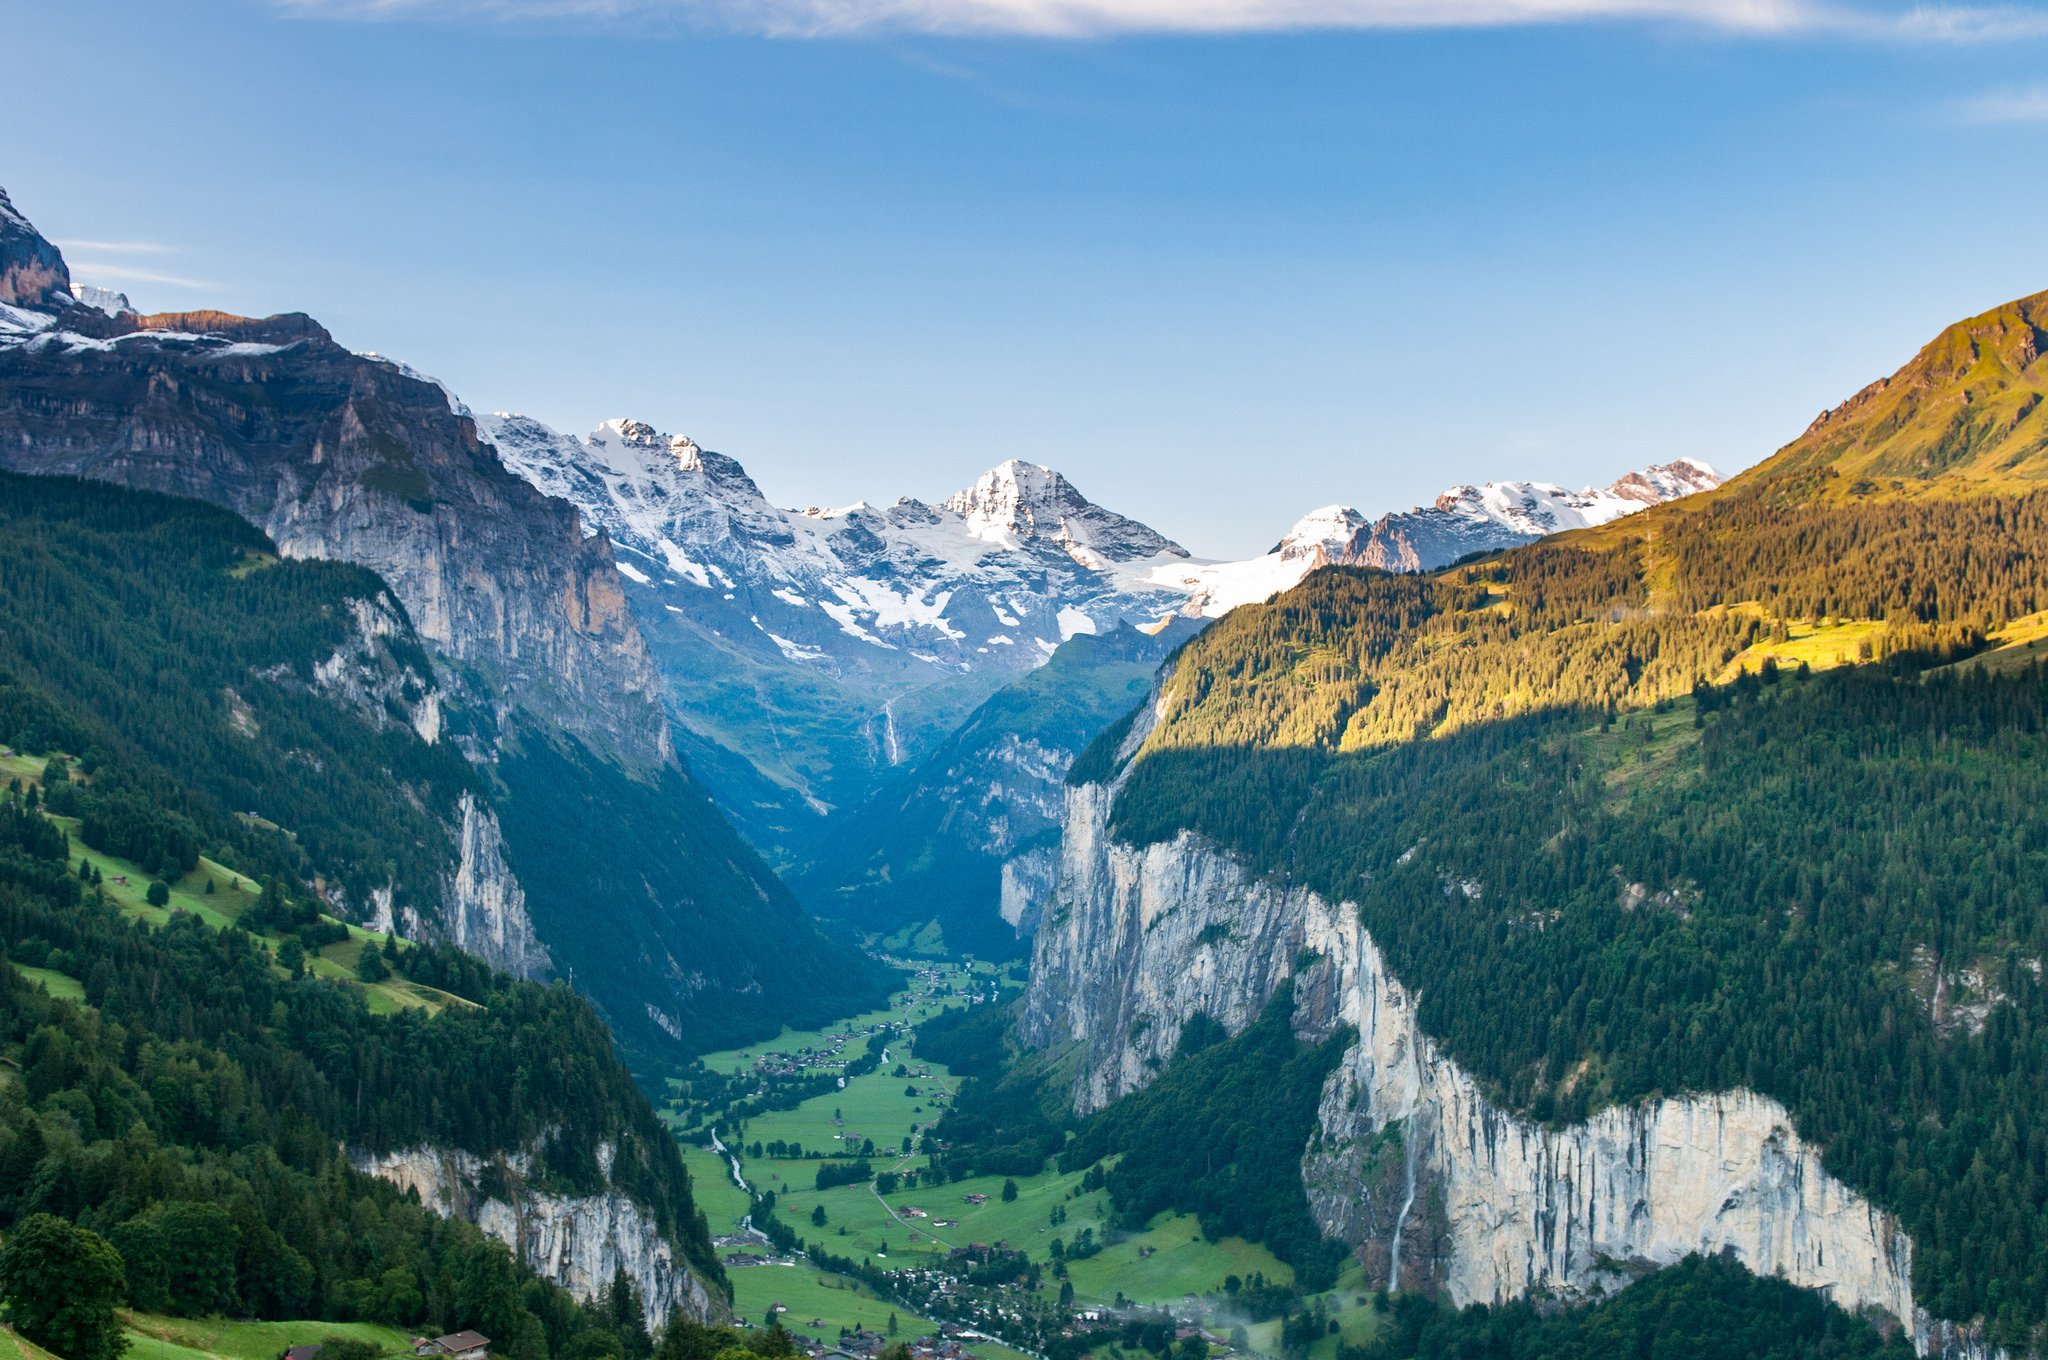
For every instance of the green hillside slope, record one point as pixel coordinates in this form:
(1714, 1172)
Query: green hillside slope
(1696, 844)
(164, 643)
(1963, 418)
(230, 703)
(192, 1106)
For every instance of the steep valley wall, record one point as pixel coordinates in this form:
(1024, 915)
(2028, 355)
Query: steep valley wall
(577, 1241)
(1428, 1181)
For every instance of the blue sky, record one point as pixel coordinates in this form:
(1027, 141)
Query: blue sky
(1217, 277)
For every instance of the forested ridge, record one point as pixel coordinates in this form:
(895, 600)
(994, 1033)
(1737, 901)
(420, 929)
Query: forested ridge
(197, 1103)
(163, 642)
(1623, 842)
(195, 1109)
(1355, 659)
(227, 703)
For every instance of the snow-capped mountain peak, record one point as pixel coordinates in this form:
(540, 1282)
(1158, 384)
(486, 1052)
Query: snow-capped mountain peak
(1539, 508)
(1321, 534)
(994, 578)
(1016, 502)
(104, 299)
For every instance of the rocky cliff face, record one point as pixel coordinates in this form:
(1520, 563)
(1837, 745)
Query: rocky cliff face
(32, 271)
(485, 906)
(577, 1241)
(1430, 1182)
(481, 907)
(349, 457)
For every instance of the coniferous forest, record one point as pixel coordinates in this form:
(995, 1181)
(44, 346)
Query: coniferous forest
(194, 1112)
(1691, 866)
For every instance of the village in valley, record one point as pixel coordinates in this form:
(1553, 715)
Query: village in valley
(808, 1154)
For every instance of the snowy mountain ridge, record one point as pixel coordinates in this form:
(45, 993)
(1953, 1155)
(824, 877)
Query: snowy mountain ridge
(805, 654)
(994, 577)
(1464, 519)
(1000, 572)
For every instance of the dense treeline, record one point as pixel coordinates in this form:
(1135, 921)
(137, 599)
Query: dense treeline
(1003, 1120)
(1977, 562)
(194, 1112)
(1357, 660)
(1701, 1308)
(969, 1041)
(1827, 889)
(160, 639)
(1219, 1134)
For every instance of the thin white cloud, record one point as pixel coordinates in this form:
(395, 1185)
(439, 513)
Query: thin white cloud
(86, 271)
(118, 247)
(1094, 18)
(1964, 23)
(2005, 106)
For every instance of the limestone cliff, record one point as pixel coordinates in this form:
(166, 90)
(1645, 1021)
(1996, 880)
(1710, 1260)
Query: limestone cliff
(353, 458)
(1432, 1184)
(577, 1241)
(378, 673)
(485, 906)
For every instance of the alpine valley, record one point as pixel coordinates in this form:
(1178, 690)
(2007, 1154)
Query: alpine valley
(467, 887)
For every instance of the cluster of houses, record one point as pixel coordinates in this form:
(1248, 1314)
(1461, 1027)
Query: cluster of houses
(805, 1059)
(454, 1346)
(948, 1343)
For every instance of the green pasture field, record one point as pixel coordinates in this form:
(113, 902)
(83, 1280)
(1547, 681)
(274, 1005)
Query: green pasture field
(168, 1338)
(1163, 1264)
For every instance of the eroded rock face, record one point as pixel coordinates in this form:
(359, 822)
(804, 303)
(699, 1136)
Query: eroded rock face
(486, 907)
(32, 271)
(1430, 1183)
(352, 458)
(578, 1241)
(481, 907)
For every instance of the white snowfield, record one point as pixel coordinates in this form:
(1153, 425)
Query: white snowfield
(996, 575)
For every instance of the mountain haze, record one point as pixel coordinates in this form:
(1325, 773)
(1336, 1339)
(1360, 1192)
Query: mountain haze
(809, 655)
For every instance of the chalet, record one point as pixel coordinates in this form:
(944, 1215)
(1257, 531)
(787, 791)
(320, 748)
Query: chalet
(454, 1346)
(975, 1199)
(306, 1352)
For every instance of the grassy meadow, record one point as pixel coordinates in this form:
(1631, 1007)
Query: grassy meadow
(1165, 1264)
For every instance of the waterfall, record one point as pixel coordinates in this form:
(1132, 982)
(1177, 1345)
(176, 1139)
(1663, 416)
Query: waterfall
(894, 748)
(1411, 1141)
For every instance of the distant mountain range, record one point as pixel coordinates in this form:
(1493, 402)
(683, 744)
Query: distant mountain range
(808, 653)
